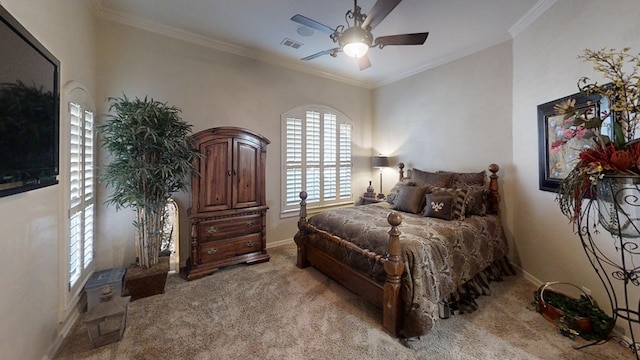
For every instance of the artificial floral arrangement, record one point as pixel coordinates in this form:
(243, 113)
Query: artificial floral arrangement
(619, 155)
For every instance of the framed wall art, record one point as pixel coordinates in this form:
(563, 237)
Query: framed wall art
(555, 162)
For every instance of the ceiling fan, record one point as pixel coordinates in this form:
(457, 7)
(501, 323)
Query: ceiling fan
(356, 38)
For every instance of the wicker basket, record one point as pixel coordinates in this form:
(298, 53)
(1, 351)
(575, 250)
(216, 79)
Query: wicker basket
(552, 313)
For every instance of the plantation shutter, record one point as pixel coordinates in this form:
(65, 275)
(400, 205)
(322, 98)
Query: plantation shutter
(81, 192)
(330, 151)
(312, 156)
(317, 158)
(293, 161)
(344, 177)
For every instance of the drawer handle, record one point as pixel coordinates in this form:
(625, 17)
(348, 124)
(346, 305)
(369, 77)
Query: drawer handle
(251, 223)
(212, 251)
(250, 243)
(212, 230)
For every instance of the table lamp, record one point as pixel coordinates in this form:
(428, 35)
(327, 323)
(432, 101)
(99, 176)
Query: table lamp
(380, 162)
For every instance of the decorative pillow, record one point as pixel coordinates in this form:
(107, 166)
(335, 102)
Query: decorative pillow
(477, 201)
(443, 180)
(467, 178)
(393, 193)
(459, 200)
(410, 199)
(439, 206)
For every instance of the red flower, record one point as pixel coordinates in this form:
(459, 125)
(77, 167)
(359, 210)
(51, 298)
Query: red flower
(621, 160)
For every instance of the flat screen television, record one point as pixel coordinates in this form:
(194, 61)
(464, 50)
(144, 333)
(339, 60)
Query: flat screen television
(29, 110)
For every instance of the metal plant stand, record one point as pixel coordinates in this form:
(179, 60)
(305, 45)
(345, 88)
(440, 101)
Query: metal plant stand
(616, 209)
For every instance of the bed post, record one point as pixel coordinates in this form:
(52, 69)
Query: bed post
(494, 195)
(394, 267)
(301, 261)
(401, 171)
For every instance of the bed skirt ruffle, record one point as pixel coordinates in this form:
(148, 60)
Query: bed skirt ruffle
(463, 300)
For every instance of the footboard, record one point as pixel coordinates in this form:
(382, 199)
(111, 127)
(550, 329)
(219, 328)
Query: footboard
(387, 295)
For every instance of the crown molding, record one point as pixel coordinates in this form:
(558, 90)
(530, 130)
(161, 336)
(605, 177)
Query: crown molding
(536, 10)
(102, 12)
(441, 61)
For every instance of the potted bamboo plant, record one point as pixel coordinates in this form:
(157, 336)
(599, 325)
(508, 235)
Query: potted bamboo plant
(152, 157)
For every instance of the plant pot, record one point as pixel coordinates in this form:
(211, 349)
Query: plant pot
(140, 283)
(553, 314)
(619, 205)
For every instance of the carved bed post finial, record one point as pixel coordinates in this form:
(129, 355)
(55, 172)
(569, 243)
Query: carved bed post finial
(394, 267)
(401, 166)
(303, 205)
(494, 194)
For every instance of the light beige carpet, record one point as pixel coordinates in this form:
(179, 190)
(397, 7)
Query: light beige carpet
(277, 311)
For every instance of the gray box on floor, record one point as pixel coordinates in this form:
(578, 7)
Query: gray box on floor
(113, 277)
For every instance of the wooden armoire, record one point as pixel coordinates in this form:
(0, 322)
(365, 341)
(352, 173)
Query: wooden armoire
(228, 207)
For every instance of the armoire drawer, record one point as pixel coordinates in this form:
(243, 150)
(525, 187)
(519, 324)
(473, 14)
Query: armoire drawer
(226, 228)
(224, 249)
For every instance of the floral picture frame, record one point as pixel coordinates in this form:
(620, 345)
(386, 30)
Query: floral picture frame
(555, 163)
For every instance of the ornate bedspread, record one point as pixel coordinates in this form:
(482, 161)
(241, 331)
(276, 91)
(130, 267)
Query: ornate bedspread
(439, 255)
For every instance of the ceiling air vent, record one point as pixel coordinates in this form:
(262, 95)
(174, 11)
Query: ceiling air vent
(290, 43)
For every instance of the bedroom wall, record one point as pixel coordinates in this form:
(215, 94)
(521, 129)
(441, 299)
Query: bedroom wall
(453, 117)
(546, 68)
(214, 88)
(31, 223)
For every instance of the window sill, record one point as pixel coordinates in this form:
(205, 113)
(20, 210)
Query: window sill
(314, 210)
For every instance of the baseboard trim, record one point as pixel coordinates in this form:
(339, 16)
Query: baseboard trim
(66, 326)
(279, 243)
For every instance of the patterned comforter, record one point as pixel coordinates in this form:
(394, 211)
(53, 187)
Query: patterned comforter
(439, 255)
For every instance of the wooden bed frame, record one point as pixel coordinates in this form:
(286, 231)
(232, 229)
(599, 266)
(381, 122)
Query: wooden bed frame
(386, 296)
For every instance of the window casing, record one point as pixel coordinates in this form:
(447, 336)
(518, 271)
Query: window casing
(316, 158)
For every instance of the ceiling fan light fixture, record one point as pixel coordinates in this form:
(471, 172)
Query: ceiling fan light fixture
(355, 42)
(355, 49)
(356, 38)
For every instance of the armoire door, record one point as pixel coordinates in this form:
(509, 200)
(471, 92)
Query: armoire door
(216, 175)
(246, 192)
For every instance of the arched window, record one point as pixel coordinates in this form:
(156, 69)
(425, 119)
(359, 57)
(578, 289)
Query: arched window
(316, 157)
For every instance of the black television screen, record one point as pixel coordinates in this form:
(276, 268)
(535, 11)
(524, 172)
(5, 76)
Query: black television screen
(29, 110)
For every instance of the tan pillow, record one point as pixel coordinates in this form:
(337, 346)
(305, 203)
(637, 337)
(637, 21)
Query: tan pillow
(433, 179)
(467, 178)
(393, 193)
(410, 199)
(476, 201)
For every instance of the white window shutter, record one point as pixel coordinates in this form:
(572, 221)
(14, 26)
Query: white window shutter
(75, 230)
(316, 157)
(345, 161)
(293, 162)
(81, 192)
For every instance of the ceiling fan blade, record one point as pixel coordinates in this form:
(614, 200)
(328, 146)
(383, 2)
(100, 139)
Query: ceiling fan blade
(318, 54)
(300, 19)
(363, 62)
(403, 39)
(378, 12)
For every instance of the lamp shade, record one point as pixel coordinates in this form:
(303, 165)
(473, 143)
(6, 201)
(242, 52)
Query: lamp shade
(380, 161)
